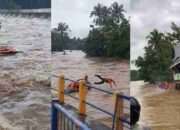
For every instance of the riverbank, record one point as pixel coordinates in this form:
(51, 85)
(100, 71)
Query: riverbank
(160, 108)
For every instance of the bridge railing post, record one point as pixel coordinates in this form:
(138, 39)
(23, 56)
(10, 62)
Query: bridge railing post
(82, 97)
(61, 86)
(54, 117)
(118, 103)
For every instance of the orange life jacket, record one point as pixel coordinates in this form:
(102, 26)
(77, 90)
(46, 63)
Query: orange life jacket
(109, 80)
(74, 85)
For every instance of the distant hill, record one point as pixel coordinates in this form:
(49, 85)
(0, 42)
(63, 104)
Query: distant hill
(24, 4)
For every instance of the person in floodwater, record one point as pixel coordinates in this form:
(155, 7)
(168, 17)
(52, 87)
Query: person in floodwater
(74, 86)
(164, 85)
(105, 80)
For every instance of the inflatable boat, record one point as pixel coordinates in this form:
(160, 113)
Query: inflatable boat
(4, 50)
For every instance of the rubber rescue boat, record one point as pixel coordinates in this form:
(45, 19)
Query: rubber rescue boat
(4, 50)
(164, 85)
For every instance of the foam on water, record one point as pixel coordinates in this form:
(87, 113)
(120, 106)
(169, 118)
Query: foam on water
(25, 77)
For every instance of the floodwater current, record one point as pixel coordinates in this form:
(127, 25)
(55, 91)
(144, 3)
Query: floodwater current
(160, 109)
(76, 64)
(25, 77)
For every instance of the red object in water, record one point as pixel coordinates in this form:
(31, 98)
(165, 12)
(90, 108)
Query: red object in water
(164, 85)
(6, 50)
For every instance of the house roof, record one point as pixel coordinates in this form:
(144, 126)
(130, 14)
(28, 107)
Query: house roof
(176, 51)
(176, 56)
(175, 62)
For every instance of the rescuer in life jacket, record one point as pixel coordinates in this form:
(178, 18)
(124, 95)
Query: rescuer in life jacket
(74, 86)
(105, 80)
(164, 85)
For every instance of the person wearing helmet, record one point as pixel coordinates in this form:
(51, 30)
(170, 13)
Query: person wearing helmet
(74, 86)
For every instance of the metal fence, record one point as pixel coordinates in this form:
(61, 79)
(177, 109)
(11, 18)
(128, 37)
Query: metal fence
(61, 119)
(119, 120)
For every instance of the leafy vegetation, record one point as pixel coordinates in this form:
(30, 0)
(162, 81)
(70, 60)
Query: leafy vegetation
(109, 35)
(134, 75)
(154, 65)
(60, 39)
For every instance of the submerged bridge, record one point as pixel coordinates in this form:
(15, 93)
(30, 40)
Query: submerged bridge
(63, 117)
(26, 7)
(28, 12)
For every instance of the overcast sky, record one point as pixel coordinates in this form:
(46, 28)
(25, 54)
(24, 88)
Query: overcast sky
(147, 15)
(76, 13)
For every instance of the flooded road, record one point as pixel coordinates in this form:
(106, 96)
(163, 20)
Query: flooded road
(75, 65)
(160, 108)
(25, 77)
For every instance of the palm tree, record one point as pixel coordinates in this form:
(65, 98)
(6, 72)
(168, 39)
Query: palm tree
(117, 11)
(155, 43)
(175, 35)
(62, 30)
(101, 13)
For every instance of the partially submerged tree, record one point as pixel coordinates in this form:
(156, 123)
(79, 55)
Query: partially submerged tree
(60, 37)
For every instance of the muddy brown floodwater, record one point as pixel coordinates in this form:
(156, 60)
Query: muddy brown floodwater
(75, 65)
(160, 108)
(25, 77)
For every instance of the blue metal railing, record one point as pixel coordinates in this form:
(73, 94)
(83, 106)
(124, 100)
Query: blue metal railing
(126, 123)
(67, 120)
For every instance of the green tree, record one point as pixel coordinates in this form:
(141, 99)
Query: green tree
(111, 36)
(100, 14)
(134, 75)
(117, 12)
(155, 41)
(175, 35)
(154, 65)
(95, 43)
(60, 37)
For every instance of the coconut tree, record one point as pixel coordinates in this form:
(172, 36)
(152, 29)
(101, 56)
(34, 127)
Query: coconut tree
(155, 42)
(100, 13)
(117, 11)
(175, 35)
(62, 31)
